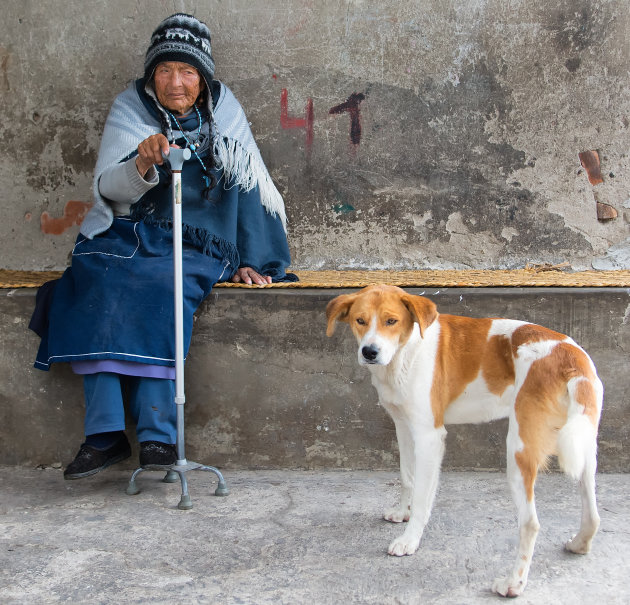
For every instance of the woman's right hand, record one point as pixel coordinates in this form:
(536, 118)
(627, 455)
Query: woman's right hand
(150, 152)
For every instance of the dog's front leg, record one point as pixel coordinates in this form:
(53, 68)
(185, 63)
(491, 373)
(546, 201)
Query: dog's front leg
(428, 450)
(401, 513)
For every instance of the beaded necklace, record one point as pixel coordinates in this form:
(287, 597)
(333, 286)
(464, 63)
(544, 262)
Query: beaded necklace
(193, 146)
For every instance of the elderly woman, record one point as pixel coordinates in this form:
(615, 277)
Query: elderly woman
(111, 314)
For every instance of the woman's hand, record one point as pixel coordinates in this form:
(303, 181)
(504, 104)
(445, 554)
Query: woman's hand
(248, 276)
(150, 153)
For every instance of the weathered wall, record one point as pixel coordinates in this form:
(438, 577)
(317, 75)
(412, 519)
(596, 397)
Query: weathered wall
(443, 133)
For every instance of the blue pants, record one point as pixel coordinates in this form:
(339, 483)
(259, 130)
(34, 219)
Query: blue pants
(151, 403)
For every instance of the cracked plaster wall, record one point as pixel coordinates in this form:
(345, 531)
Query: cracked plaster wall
(472, 116)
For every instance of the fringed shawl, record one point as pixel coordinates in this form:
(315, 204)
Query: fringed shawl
(129, 122)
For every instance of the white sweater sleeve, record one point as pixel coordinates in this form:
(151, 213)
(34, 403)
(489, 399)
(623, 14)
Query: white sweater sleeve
(121, 185)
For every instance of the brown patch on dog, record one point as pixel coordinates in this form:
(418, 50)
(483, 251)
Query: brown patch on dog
(585, 395)
(530, 333)
(541, 405)
(463, 341)
(497, 367)
(529, 471)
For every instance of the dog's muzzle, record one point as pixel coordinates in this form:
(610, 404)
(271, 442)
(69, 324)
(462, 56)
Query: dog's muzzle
(369, 353)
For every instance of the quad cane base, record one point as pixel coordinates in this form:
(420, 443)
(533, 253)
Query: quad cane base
(180, 469)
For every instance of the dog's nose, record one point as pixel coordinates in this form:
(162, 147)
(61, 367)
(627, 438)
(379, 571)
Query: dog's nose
(369, 353)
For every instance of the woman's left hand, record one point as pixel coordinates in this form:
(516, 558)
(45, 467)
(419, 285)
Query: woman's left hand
(248, 276)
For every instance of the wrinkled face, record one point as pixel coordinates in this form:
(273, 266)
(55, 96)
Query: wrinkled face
(177, 86)
(381, 318)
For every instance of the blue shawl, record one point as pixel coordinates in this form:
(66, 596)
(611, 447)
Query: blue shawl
(244, 217)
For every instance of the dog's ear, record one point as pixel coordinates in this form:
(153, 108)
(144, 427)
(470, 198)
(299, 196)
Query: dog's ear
(337, 310)
(423, 310)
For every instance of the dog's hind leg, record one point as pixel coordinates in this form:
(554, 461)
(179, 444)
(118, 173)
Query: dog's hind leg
(522, 469)
(581, 543)
(428, 450)
(577, 456)
(401, 513)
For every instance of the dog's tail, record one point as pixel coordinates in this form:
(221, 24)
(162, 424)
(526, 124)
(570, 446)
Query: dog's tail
(577, 439)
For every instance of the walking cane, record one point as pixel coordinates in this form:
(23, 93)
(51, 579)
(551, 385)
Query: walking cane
(177, 157)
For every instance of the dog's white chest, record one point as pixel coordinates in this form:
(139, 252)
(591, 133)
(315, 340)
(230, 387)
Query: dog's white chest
(388, 394)
(406, 380)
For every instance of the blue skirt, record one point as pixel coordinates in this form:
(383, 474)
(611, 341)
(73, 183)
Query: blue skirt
(116, 299)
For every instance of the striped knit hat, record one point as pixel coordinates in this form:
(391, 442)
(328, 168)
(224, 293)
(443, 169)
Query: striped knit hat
(182, 38)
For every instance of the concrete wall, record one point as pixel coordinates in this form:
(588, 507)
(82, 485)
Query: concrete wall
(266, 388)
(468, 119)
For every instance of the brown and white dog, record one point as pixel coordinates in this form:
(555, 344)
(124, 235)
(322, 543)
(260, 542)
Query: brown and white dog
(431, 369)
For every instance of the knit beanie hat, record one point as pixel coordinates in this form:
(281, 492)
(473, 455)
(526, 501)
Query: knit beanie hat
(182, 38)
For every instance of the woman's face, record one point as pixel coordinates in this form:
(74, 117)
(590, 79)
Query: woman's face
(177, 86)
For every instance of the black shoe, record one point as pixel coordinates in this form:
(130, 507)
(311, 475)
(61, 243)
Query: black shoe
(154, 454)
(90, 461)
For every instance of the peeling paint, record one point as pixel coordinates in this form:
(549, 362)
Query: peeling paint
(590, 163)
(73, 214)
(616, 257)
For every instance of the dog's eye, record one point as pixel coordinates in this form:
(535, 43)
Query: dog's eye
(361, 321)
(391, 321)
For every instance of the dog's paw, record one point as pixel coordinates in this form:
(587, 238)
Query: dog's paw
(578, 545)
(506, 588)
(396, 515)
(405, 545)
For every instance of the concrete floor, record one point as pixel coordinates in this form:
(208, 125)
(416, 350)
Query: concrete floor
(293, 537)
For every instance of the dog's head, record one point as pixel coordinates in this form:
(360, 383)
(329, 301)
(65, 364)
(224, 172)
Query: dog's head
(382, 320)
